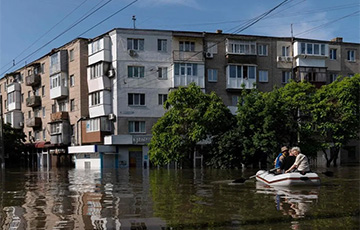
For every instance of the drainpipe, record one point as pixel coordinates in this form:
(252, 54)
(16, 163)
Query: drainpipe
(77, 130)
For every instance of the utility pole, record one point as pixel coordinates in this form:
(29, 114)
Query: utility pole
(2, 150)
(134, 20)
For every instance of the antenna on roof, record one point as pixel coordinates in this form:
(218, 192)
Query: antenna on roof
(134, 19)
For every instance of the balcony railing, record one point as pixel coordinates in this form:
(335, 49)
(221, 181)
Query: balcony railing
(33, 80)
(33, 122)
(33, 101)
(59, 116)
(196, 56)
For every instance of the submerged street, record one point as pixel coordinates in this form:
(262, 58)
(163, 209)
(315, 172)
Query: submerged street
(173, 199)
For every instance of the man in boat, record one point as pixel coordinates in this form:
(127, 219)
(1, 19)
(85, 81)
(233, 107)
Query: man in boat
(301, 163)
(280, 158)
(287, 162)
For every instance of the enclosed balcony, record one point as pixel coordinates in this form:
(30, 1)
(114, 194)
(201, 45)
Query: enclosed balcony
(59, 86)
(59, 116)
(60, 133)
(15, 119)
(33, 101)
(33, 122)
(240, 77)
(33, 79)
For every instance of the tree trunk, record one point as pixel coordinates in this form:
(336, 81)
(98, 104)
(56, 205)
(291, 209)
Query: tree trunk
(334, 152)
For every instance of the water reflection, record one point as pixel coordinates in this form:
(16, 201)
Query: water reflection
(294, 202)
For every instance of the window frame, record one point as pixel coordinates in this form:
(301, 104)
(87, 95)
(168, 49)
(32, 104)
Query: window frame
(212, 75)
(263, 49)
(162, 98)
(136, 99)
(137, 44)
(351, 55)
(332, 54)
(162, 45)
(133, 125)
(263, 78)
(133, 70)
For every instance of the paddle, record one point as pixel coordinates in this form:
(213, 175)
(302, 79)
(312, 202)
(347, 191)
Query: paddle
(242, 180)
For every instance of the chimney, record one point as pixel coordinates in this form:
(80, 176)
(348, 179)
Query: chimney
(219, 31)
(337, 39)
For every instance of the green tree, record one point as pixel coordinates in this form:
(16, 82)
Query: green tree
(13, 143)
(191, 116)
(336, 115)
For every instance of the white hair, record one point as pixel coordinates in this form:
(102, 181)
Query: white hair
(296, 148)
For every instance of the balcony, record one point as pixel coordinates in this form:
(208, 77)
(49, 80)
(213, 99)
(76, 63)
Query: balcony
(59, 116)
(33, 101)
(33, 80)
(240, 83)
(15, 118)
(194, 56)
(60, 133)
(33, 122)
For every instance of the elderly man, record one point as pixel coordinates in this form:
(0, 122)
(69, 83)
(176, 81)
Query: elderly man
(301, 163)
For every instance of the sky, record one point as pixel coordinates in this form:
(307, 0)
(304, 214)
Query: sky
(29, 29)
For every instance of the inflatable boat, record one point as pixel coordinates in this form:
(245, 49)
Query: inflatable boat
(288, 179)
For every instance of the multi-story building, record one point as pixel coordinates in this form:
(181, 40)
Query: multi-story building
(105, 95)
(46, 98)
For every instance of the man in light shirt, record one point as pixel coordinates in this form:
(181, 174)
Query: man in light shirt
(301, 163)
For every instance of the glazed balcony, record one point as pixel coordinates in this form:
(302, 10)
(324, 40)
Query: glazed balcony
(59, 116)
(33, 80)
(33, 122)
(33, 101)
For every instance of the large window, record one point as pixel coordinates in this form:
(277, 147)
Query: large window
(162, 45)
(212, 75)
(136, 126)
(263, 76)
(187, 46)
(71, 55)
(96, 46)
(96, 70)
(136, 71)
(242, 71)
(285, 51)
(63, 106)
(241, 47)
(55, 128)
(162, 98)
(189, 69)
(332, 54)
(95, 98)
(98, 124)
(351, 55)
(312, 49)
(57, 81)
(136, 99)
(135, 44)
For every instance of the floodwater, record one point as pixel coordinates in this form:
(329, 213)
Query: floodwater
(161, 199)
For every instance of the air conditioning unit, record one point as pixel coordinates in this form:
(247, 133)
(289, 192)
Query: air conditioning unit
(209, 55)
(289, 59)
(112, 117)
(111, 73)
(280, 58)
(132, 53)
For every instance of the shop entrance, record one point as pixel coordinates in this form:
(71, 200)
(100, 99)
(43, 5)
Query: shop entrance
(135, 157)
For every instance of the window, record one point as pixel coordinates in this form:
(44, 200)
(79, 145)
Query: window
(22, 98)
(136, 71)
(285, 51)
(37, 135)
(42, 67)
(44, 134)
(72, 105)
(63, 106)
(234, 100)
(187, 46)
(241, 47)
(29, 114)
(136, 126)
(6, 104)
(43, 90)
(95, 98)
(11, 97)
(332, 54)
(333, 77)
(72, 81)
(37, 92)
(36, 113)
(29, 94)
(245, 72)
(136, 99)
(71, 54)
(92, 125)
(53, 108)
(43, 112)
(189, 69)
(162, 73)
(58, 80)
(312, 49)
(29, 72)
(286, 76)
(263, 50)
(55, 128)
(135, 44)
(95, 71)
(54, 59)
(212, 75)
(96, 46)
(162, 98)
(263, 76)
(162, 45)
(351, 55)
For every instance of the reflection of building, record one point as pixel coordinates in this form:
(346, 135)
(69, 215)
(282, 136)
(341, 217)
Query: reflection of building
(294, 202)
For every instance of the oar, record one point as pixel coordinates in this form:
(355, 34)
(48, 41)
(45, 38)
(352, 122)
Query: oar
(242, 180)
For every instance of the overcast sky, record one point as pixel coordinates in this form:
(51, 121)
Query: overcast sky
(27, 25)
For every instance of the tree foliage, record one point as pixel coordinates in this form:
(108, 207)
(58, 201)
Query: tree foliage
(191, 116)
(13, 143)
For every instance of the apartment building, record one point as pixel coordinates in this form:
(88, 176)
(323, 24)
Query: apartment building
(46, 98)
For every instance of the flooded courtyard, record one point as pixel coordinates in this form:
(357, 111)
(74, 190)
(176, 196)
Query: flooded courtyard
(164, 199)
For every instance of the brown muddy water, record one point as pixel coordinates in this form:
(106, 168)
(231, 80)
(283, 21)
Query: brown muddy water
(135, 199)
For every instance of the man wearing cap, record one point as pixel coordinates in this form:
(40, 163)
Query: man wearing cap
(280, 158)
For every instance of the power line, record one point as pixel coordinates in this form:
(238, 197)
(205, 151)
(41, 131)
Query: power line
(66, 30)
(44, 34)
